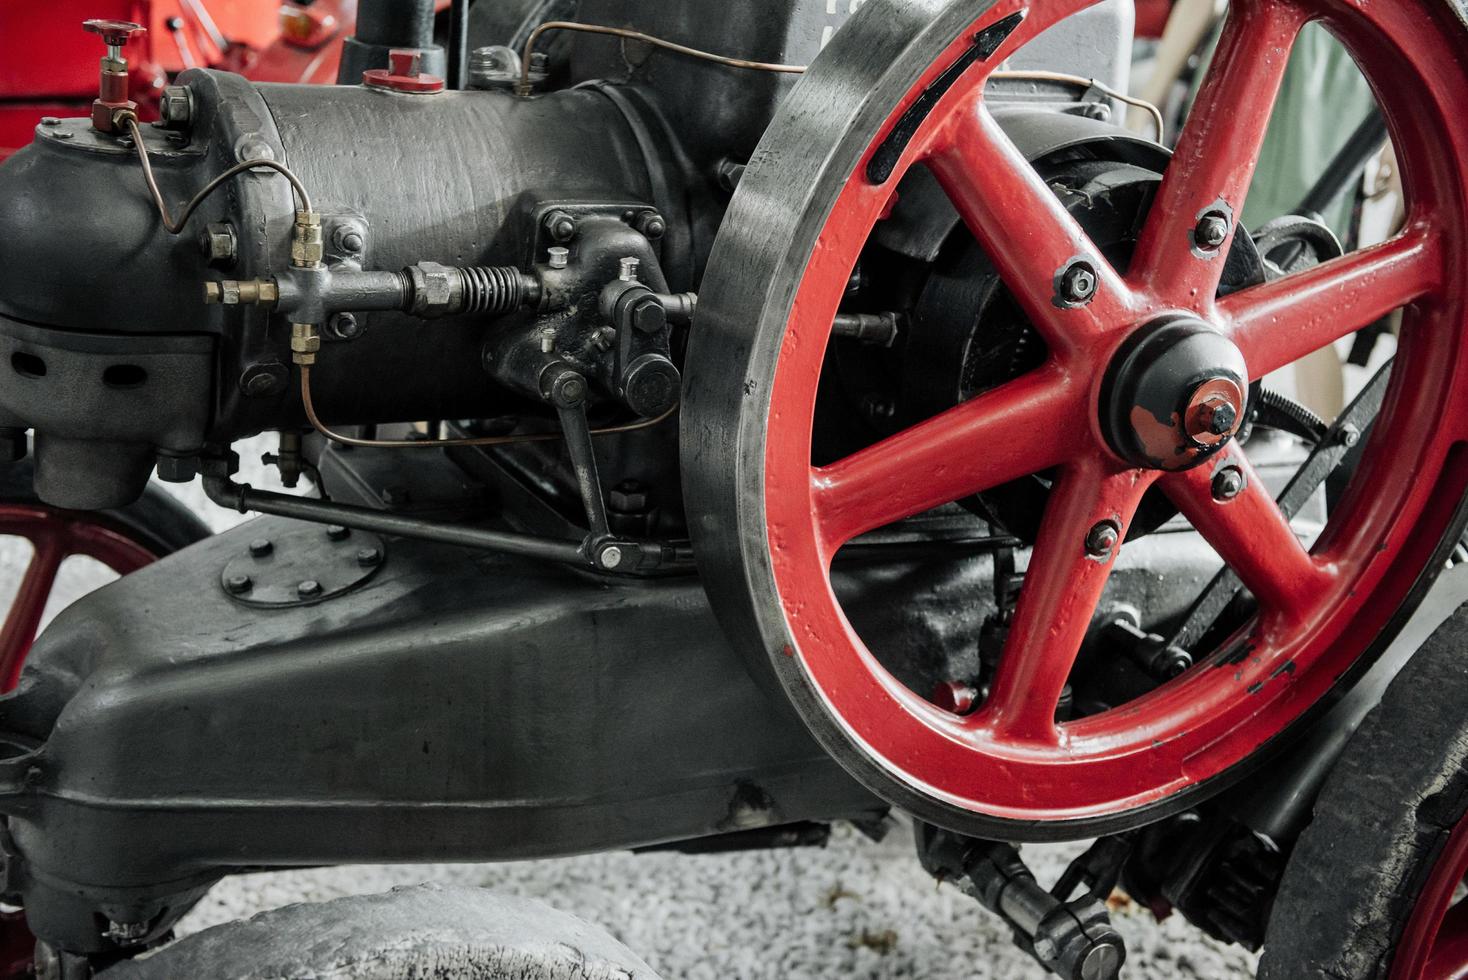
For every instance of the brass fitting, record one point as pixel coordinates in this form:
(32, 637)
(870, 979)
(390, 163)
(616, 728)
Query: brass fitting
(252, 292)
(307, 249)
(305, 342)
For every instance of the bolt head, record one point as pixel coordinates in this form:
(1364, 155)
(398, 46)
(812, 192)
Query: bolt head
(1220, 418)
(260, 547)
(1212, 231)
(369, 557)
(177, 469)
(1103, 539)
(560, 226)
(649, 316)
(219, 243)
(628, 497)
(238, 584)
(652, 226)
(1078, 283)
(560, 256)
(310, 587)
(176, 107)
(1349, 436)
(338, 533)
(1228, 483)
(344, 326)
(610, 557)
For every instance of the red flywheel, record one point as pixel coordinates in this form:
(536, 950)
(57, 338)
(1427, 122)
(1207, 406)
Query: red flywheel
(905, 84)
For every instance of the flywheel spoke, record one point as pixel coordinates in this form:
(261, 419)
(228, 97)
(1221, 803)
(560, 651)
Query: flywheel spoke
(1090, 509)
(1036, 244)
(1245, 526)
(1023, 427)
(24, 619)
(1218, 150)
(1280, 322)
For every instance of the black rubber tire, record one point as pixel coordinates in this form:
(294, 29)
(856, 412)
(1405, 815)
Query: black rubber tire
(425, 931)
(155, 520)
(1380, 823)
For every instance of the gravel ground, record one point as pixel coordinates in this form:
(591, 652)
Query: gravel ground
(854, 909)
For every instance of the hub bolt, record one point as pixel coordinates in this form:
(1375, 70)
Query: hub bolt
(1228, 483)
(1212, 231)
(1103, 539)
(1219, 418)
(238, 584)
(1078, 283)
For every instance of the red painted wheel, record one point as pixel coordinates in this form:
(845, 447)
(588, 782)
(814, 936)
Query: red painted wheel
(904, 85)
(55, 536)
(1434, 945)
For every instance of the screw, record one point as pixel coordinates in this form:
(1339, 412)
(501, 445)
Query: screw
(261, 547)
(652, 225)
(176, 107)
(338, 533)
(1349, 435)
(1228, 483)
(310, 587)
(1078, 283)
(610, 557)
(238, 584)
(560, 226)
(628, 269)
(1212, 231)
(344, 326)
(368, 557)
(1103, 539)
(560, 256)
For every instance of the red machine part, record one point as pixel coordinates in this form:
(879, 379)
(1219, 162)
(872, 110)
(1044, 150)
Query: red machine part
(403, 75)
(1320, 609)
(1434, 945)
(1152, 16)
(55, 536)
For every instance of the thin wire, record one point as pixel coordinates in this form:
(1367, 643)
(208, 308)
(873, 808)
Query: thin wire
(622, 32)
(1102, 87)
(346, 440)
(174, 227)
(657, 42)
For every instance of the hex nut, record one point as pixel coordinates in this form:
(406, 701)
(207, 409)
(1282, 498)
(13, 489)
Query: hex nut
(1212, 231)
(1078, 283)
(219, 244)
(434, 288)
(309, 588)
(628, 497)
(1102, 539)
(560, 226)
(338, 533)
(176, 107)
(238, 584)
(177, 469)
(369, 557)
(1228, 483)
(652, 226)
(260, 547)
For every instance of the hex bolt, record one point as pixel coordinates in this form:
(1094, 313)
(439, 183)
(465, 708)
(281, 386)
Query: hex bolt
(610, 557)
(652, 226)
(176, 107)
(1078, 283)
(1102, 539)
(238, 584)
(1228, 483)
(310, 587)
(560, 226)
(1219, 419)
(344, 326)
(260, 547)
(219, 243)
(560, 256)
(1212, 231)
(369, 557)
(338, 533)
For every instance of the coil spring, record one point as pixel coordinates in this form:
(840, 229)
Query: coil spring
(1281, 412)
(493, 289)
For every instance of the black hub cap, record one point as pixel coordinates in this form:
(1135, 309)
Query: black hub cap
(1174, 394)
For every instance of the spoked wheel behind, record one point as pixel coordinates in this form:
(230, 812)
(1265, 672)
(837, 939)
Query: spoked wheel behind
(1143, 387)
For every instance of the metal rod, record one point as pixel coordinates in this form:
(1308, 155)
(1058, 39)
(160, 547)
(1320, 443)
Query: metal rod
(243, 498)
(583, 461)
(1347, 165)
(459, 45)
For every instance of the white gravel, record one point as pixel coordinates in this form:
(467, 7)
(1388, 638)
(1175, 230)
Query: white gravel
(857, 910)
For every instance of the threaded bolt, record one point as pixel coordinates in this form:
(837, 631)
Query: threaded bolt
(1212, 231)
(1228, 483)
(1102, 539)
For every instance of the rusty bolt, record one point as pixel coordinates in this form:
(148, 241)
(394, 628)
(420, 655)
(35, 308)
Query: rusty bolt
(1103, 539)
(652, 225)
(218, 243)
(1212, 231)
(560, 226)
(1228, 483)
